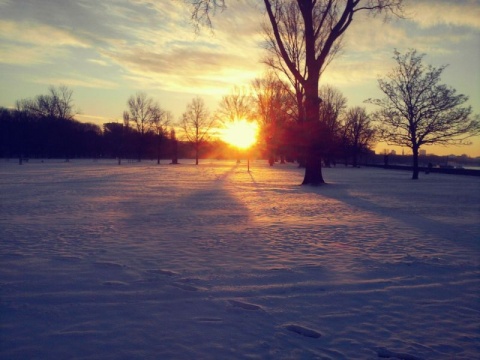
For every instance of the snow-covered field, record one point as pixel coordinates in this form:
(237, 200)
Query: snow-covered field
(139, 261)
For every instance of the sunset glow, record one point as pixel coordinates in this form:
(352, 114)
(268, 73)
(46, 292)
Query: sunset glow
(241, 134)
(89, 47)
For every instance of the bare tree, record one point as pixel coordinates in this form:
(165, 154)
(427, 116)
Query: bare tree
(196, 124)
(359, 132)
(274, 108)
(174, 147)
(323, 22)
(113, 134)
(159, 124)
(57, 104)
(331, 109)
(292, 32)
(417, 110)
(235, 106)
(142, 111)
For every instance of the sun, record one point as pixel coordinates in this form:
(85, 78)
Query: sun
(240, 133)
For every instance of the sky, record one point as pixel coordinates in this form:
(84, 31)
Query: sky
(106, 51)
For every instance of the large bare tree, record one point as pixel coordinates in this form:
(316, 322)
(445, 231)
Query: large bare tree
(292, 32)
(322, 24)
(196, 124)
(417, 110)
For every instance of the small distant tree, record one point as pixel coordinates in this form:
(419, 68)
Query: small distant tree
(331, 110)
(274, 108)
(174, 147)
(113, 134)
(55, 108)
(197, 124)
(57, 104)
(159, 125)
(142, 112)
(358, 131)
(235, 106)
(417, 110)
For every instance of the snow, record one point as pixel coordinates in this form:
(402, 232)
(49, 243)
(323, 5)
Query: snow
(140, 261)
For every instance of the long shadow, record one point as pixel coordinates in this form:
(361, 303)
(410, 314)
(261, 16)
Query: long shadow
(201, 228)
(340, 192)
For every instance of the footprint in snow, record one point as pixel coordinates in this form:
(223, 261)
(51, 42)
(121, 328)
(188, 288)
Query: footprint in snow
(387, 354)
(208, 319)
(108, 265)
(185, 287)
(114, 283)
(162, 272)
(244, 305)
(303, 331)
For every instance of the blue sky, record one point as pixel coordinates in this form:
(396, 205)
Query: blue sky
(107, 50)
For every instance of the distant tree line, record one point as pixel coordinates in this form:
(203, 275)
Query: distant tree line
(45, 127)
(24, 136)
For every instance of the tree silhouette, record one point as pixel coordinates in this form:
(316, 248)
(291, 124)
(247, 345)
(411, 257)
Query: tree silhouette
(235, 106)
(359, 133)
(57, 104)
(274, 108)
(159, 125)
(113, 134)
(50, 116)
(331, 109)
(143, 112)
(417, 110)
(196, 124)
(173, 147)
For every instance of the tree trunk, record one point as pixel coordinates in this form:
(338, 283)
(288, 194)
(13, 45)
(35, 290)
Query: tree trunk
(159, 149)
(313, 164)
(196, 154)
(415, 163)
(174, 152)
(313, 170)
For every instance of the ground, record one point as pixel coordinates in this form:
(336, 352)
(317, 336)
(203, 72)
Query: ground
(140, 261)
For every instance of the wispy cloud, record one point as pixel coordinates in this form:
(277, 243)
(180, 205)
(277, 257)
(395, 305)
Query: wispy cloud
(184, 69)
(71, 81)
(98, 62)
(432, 13)
(38, 34)
(29, 55)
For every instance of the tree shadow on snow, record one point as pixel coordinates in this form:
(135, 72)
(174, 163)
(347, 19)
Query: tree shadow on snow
(343, 192)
